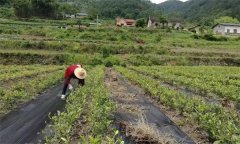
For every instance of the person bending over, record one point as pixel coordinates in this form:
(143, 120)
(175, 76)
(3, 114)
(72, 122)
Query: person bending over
(73, 72)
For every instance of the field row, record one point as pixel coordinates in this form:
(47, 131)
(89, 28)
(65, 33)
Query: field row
(87, 118)
(25, 71)
(221, 81)
(221, 124)
(18, 91)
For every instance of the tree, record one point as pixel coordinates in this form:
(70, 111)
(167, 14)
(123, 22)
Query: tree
(5, 2)
(22, 8)
(226, 19)
(140, 23)
(79, 23)
(163, 20)
(45, 8)
(67, 9)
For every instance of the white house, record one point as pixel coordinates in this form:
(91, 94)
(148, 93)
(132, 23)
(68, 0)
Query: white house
(227, 29)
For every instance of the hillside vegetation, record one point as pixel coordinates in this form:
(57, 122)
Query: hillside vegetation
(202, 10)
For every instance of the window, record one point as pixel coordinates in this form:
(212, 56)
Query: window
(228, 30)
(235, 31)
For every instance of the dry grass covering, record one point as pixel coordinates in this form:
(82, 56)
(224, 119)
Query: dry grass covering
(142, 127)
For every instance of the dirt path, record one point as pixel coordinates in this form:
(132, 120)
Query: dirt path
(140, 120)
(24, 124)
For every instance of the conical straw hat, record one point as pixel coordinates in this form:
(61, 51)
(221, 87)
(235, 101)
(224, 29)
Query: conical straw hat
(80, 73)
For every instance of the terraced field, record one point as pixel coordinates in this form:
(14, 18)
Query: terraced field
(143, 85)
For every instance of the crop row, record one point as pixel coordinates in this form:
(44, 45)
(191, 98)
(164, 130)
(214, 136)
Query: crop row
(35, 70)
(224, 75)
(25, 90)
(90, 105)
(196, 83)
(16, 68)
(222, 125)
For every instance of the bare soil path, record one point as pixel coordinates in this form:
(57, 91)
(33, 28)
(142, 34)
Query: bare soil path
(139, 119)
(23, 125)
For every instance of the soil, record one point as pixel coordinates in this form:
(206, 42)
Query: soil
(25, 124)
(135, 106)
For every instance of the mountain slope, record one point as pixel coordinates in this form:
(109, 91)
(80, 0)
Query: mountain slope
(202, 10)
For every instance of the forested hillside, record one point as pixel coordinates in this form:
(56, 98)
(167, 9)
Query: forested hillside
(202, 10)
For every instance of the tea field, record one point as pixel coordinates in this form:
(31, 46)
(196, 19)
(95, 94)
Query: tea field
(143, 85)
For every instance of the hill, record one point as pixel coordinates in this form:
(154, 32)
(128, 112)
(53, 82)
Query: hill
(204, 11)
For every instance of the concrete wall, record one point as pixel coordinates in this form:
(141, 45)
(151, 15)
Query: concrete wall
(221, 29)
(231, 29)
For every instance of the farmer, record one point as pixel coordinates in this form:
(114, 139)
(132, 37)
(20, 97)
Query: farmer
(75, 72)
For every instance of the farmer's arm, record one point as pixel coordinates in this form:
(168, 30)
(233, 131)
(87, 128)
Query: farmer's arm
(81, 82)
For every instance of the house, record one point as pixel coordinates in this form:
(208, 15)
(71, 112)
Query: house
(125, 22)
(153, 23)
(81, 15)
(178, 26)
(175, 25)
(227, 29)
(69, 16)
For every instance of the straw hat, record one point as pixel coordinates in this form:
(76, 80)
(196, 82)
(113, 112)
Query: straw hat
(80, 73)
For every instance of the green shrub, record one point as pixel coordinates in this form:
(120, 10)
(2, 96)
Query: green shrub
(112, 60)
(140, 23)
(211, 37)
(158, 38)
(106, 53)
(112, 39)
(41, 45)
(195, 36)
(108, 64)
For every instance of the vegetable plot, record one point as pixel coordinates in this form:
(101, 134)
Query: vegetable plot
(87, 115)
(221, 81)
(19, 86)
(221, 124)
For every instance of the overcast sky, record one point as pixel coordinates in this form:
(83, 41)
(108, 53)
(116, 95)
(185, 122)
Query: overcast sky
(159, 1)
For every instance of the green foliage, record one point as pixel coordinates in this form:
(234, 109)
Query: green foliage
(226, 19)
(221, 124)
(45, 8)
(106, 53)
(210, 37)
(94, 107)
(125, 8)
(32, 79)
(6, 12)
(28, 8)
(141, 23)
(112, 60)
(23, 8)
(202, 11)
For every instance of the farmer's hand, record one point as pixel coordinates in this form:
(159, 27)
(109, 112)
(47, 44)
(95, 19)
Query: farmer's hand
(70, 87)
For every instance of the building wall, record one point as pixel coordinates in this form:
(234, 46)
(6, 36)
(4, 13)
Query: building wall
(149, 23)
(221, 29)
(231, 29)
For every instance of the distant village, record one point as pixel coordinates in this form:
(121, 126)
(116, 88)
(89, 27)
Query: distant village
(221, 28)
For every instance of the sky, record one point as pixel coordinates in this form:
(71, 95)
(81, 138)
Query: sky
(159, 1)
